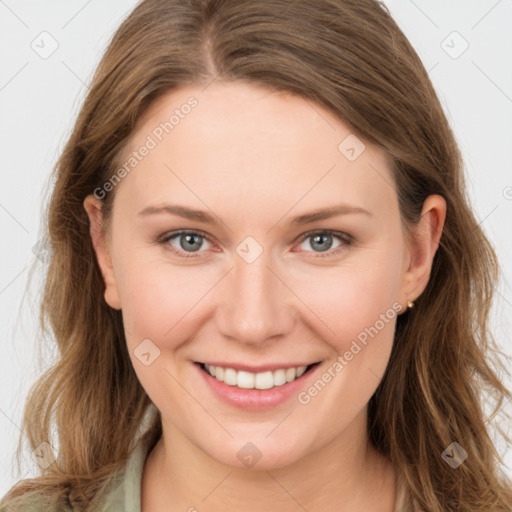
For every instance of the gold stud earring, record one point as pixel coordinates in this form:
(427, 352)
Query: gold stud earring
(410, 304)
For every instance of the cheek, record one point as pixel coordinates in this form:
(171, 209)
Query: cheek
(160, 304)
(158, 301)
(357, 301)
(355, 311)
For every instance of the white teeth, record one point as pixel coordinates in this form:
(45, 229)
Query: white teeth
(248, 380)
(219, 372)
(301, 370)
(279, 377)
(264, 380)
(229, 376)
(290, 374)
(245, 380)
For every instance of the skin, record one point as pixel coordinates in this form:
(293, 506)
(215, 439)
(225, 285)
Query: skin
(255, 159)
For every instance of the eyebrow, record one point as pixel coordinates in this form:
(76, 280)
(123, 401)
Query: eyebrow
(207, 218)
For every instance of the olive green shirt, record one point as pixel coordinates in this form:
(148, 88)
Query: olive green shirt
(122, 492)
(125, 493)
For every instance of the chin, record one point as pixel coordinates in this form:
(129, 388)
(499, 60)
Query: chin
(259, 454)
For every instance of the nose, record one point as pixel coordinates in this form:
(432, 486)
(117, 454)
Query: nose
(254, 303)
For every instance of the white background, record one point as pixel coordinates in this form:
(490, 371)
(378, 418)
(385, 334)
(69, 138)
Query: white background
(39, 99)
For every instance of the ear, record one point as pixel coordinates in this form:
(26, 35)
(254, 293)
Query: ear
(93, 207)
(422, 248)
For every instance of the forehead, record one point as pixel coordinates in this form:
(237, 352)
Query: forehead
(237, 143)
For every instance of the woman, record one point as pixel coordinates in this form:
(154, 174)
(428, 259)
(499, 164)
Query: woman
(267, 286)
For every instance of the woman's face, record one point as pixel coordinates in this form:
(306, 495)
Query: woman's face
(296, 258)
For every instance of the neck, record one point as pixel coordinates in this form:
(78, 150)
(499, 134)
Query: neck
(347, 474)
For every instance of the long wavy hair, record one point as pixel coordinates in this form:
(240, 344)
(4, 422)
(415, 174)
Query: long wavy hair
(350, 57)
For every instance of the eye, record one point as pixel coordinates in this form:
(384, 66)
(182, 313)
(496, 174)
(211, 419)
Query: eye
(322, 241)
(184, 242)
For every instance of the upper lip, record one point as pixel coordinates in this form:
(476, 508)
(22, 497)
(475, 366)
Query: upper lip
(258, 368)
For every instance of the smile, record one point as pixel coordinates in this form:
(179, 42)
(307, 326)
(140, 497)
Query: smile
(256, 388)
(249, 380)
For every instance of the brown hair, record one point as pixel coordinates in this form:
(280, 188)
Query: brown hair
(350, 57)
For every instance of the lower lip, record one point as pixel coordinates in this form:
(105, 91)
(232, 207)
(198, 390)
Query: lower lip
(256, 399)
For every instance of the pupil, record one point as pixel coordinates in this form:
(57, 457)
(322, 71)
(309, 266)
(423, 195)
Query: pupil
(323, 247)
(187, 237)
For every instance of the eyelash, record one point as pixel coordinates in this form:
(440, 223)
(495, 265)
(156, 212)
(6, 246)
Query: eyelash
(346, 239)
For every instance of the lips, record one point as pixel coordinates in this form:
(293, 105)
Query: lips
(267, 395)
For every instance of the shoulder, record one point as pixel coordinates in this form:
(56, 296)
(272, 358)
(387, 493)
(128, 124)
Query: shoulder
(33, 502)
(124, 493)
(109, 498)
(120, 493)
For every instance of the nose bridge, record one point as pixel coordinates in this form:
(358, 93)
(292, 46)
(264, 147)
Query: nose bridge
(256, 306)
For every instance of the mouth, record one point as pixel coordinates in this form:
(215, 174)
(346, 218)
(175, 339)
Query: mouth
(256, 388)
(259, 380)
